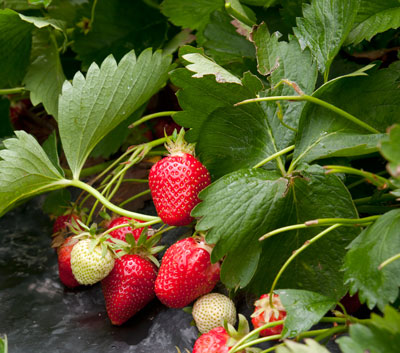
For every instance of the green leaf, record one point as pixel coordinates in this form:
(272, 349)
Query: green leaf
(324, 27)
(373, 17)
(45, 3)
(119, 26)
(283, 60)
(112, 142)
(228, 138)
(244, 204)
(222, 41)
(233, 272)
(6, 128)
(201, 65)
(51, 148)
(190, 14)
(91, 107)
(374, 99)
(240, 207)
(310, 346)
(56, 202)
(304, 309)
(45, 75)
(374, 245)
(25, 171)
(390, 149)
(42, 22)
(382, 335)
(15, 46)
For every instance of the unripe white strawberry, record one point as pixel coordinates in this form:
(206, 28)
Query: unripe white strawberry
(210, 311)
(89, 266)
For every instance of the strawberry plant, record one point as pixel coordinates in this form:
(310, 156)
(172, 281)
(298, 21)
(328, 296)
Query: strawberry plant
(284, 168)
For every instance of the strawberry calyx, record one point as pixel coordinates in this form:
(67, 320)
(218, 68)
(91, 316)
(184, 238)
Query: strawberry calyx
(145, 246)
(201, 243)
(236, 335)
(176, 144)
(264, 307)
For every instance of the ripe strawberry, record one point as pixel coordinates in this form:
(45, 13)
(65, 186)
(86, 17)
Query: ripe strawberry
(64, 263)
(89, 265)
(222, 339)
(120, 233)
(212, 342)
(61, 222)
(263, 314)
(186, 273)
(210, 311)
(175, 182)
(128, 287)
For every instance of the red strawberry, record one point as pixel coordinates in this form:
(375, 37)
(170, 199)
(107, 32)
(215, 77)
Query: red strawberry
(128, 287)
(212, 342)
(186, 273)
(220, 339)
(62, 221)
(121, 233)
(64, 263)
(263, 314)
(175, 182)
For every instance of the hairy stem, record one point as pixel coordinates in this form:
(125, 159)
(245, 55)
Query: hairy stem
(275, 155)
(317, 101)
(295, 254)
(134, 197)
(389, 261)
(14, 90)
(111, 206)
(379, 181)
(151, 116)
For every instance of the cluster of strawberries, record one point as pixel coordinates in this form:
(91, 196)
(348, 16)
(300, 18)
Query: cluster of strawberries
(124, 260)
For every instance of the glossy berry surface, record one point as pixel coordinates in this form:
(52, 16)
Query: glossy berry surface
(121, 233)
(263, 313)
(64, 263)
(175, 182)
(128, 287)
(186, 273)
(62, 221)
(212, 342)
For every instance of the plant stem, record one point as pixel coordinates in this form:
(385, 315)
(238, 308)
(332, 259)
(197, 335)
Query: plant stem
(389, 261)
(270, 349)
(257, 341)
(134, 197)
(346, 222)
(380, 182)
(366, 200)
(151, 116)
(111, 206)
(317, 101)
(90, 170)
(275, 155)
(92, 14)
(295, 254)
(254, 332)
(12, 90)
(358, 182)
(339, 320)
(108, 231)
(332, 331)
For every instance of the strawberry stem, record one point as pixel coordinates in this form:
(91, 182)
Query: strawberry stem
(111, 206)
(151, 116)
(295, 254)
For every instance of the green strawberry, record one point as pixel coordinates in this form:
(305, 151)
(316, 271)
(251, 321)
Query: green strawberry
(91, 265)
(211, 310)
